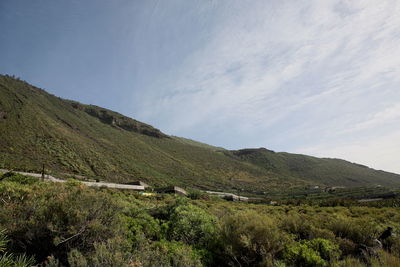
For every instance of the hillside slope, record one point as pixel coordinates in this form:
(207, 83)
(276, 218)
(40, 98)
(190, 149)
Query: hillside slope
(331, 172)
(73, 138)
(70, 137)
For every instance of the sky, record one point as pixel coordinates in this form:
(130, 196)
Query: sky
(317, 77)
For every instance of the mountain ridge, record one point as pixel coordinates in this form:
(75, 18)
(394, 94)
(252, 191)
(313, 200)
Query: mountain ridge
(70, 137)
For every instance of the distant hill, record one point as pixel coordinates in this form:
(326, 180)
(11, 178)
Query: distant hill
(331, 172)
(72, 138)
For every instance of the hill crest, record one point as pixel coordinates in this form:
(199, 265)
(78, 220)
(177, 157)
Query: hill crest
(70, 137)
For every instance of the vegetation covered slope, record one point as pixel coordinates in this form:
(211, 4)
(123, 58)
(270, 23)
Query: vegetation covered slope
(73, 138)
(70, 137)
(332, 172)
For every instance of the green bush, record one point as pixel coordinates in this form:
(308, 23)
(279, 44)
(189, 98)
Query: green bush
(177, 254)
(315, 252)
(140, 222)
(192, 225)
(251, 239)
(326, 248)
(163, 254)
(300, 254)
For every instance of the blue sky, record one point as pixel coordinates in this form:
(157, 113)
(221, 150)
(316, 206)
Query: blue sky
(304, 76)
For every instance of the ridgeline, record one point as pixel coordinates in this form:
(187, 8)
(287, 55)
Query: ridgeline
(72, 138)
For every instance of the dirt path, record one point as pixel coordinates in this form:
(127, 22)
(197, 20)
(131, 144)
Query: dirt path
(98, 184)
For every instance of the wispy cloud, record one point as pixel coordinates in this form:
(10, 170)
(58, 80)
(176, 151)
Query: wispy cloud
(389, 116)
(292, 75)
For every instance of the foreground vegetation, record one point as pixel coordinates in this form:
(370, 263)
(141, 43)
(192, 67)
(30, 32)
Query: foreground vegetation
(72, 225)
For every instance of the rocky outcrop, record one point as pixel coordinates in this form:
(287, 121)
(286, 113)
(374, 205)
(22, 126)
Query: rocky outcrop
(117, 120)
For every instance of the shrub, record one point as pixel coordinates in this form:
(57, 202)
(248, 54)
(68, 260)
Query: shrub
(76, 259)
(298, 225)
(358, 231)
(51, 219)
(197, 194)
(347, 246)
(192, 225)
(300, 254)
(315, 252)
(177, 254)
(113, 252)
(163, 254)
(251, 239)
(326, 248)
(140, 222)
(321, 233)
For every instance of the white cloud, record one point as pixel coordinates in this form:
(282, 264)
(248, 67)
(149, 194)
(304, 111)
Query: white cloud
(289, 74)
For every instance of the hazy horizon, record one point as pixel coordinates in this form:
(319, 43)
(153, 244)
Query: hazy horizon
(309, 77)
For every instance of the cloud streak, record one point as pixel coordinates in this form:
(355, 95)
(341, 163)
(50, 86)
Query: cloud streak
(291, 75)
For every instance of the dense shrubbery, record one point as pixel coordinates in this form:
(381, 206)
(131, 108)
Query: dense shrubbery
(192, 225)
(43, 221)
(250, 239)
(315, 252)
(72, 225)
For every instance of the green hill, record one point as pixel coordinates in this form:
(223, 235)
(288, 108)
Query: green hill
(73, 138)
(331, 172)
